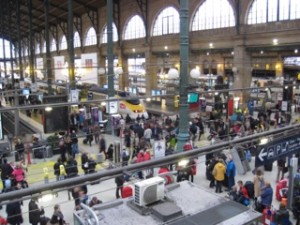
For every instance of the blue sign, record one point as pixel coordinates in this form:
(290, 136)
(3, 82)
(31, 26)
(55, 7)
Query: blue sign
(90, 96)
(276, 149)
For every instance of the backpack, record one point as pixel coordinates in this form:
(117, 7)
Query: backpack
(250, 189)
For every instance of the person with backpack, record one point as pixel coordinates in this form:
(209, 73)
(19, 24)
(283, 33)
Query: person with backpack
(259, 183)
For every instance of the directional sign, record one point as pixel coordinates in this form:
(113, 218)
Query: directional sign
(276, 149)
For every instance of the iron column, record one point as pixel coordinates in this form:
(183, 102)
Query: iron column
(183, 135)
(71, 45)
(48, 55)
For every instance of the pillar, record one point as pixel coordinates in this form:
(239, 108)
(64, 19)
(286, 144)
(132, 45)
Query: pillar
(151, 72)
(243, 74)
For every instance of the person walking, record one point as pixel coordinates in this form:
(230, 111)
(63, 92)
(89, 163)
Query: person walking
(267, 196)
(119, 180)
(230, 173)
(57, 217)
(259, 183)
(14, 213)
(219, 174)
(35, 212)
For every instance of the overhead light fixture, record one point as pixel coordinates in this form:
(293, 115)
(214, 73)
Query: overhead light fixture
(133, 50)
(48, 109)
(166, 47)
(296, 51)
(275, 41)
(232, 53)
(207, 53)
(148, 99)
(263, 141)
(261, 52)
(211, 45)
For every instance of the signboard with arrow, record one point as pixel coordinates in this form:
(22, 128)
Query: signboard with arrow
(276, 149)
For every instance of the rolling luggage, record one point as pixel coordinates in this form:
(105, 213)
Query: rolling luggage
(268, 217)
(281, 184)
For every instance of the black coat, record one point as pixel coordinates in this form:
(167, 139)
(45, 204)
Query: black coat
(14, 213)
(6, 171)
(34, 212)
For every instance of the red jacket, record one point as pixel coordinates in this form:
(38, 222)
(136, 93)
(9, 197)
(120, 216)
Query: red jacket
(140, 157)
(18, 174)
(168, 178)
(147, 156)
(126, 192)
(187, 147)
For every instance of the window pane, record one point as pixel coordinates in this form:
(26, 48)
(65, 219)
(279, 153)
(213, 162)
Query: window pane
(91, 37)
(135, 28)
(167, 22)
(213, 14)
(76, 40)
(115, 34)
(53, 45)
(63, 44)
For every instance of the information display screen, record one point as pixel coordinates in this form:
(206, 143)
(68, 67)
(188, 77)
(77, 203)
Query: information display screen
(193, 97)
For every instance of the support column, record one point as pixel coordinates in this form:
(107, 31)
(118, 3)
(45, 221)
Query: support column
(183, 135)
(71, 46)
(151, 72)
(11, 45)
(110, 54)
(242, 76)
(48, 55)
(31, 47)
(123, 62)
(19, 42)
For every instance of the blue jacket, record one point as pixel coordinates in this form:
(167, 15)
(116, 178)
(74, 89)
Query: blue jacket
(230, 170)
(267, 196)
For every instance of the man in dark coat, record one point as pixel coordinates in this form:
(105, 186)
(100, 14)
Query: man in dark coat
(119, 180)
(34, 212)
(14, 213)
(6, 171)
(71, 167)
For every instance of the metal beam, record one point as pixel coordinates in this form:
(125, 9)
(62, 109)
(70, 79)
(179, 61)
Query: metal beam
(64, 27)
(70, 39)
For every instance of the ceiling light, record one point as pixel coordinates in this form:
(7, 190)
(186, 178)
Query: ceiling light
(166, 47)
(296, 51)
(133, 50)
(211, 45)
(48, 109)
(232, 53)
(261, 52)
(207, 53)
(275, 41)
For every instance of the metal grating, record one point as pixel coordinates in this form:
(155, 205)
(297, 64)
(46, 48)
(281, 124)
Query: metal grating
(213, 215)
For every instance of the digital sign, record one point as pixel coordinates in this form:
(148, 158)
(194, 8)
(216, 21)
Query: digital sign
(193, 97)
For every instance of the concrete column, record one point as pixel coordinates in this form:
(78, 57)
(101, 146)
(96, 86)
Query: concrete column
(151, 72)
(242, 76)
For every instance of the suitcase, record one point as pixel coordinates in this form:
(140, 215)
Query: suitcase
(126, 192)
(100, 157)
(268, 217)
(281, 184)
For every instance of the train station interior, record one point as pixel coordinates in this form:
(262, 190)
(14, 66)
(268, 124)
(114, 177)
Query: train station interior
(185, 84)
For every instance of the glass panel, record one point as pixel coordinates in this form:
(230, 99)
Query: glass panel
(135, 28)
(91, 37)
(76, 40)
(115, 34)
(213, 14)
(167, 22)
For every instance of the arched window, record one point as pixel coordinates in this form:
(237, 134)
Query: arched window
(91, 37)
(63, 43)
(135, 28)
(167, 22)
(264, 11)
(44, 48)
(7, 49)
(76, 41)
(213, 14)
(37, 48)
(53, 45)
(115, 34)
